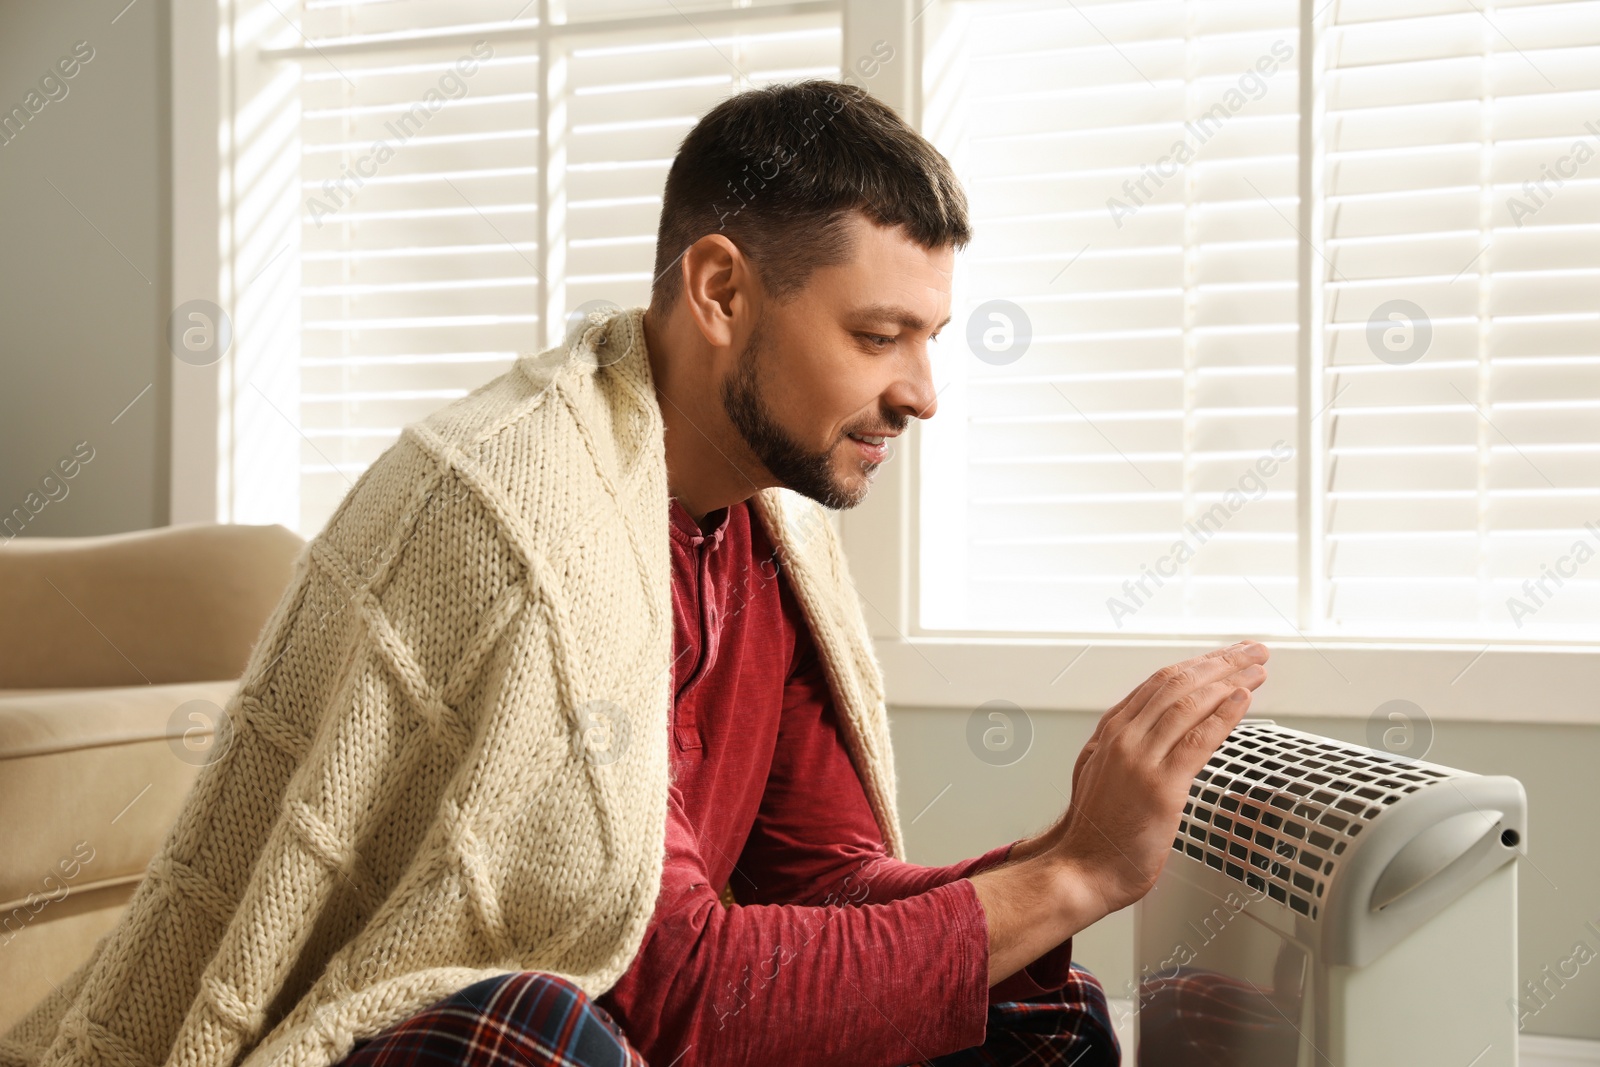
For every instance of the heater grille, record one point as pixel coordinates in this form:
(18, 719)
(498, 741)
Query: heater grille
(1275, 808)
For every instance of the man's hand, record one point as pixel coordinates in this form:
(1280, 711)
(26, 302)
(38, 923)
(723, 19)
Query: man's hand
(1132, 778)
(1129, 785)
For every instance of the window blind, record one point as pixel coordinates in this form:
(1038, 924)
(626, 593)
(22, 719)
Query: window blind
(1463, 437)
(421, 241)
(1130, 164)
(1458, 342)
(470, 177)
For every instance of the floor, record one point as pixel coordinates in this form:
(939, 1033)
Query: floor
(1535, 1050)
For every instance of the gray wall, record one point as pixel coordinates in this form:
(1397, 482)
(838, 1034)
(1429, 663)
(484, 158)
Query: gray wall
(1558, 885)
(84, 268)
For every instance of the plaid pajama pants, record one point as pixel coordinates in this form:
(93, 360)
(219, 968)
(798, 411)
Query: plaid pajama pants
(530, 1019)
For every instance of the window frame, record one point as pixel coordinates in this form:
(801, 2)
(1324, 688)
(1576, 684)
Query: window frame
(1334, 676)
(231, 441)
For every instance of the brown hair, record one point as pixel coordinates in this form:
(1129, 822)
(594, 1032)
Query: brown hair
(779, 169)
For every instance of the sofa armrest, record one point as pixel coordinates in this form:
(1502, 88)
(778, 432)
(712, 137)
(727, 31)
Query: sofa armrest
(173, 604)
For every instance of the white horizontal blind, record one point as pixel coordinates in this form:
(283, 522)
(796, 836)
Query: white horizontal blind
(1133, 470)
(426, 264)
(632, 99)
(1464, 435)
(422, 281)
(1458, 265)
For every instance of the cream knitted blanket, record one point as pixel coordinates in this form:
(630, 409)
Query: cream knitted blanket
(448, 753)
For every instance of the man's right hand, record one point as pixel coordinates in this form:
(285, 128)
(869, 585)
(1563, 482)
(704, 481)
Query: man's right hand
(1129, 786)
(1132, 778)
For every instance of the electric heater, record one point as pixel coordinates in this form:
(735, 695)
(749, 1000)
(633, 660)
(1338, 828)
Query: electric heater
(1330, 905)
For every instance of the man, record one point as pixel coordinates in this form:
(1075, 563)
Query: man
(401, 859)
(787, 342)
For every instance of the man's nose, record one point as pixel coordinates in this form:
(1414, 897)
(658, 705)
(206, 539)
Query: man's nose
(913, 393)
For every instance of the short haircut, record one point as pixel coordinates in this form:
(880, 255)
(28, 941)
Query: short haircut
(779, 170)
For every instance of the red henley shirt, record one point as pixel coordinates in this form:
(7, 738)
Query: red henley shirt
(834, 951)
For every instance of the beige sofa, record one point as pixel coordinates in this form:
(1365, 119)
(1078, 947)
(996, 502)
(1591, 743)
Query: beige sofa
(116, 656)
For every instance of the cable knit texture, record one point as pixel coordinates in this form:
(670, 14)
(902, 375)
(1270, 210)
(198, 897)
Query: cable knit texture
(410, 799)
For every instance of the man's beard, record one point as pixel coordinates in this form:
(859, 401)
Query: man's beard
(808, 473)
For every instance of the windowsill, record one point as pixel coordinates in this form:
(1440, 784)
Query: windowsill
(1540, 684)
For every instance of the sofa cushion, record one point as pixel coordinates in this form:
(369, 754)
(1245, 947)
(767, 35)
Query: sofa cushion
(90, 781)
(40, 956)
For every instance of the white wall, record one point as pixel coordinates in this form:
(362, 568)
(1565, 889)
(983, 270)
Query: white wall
(84, 267)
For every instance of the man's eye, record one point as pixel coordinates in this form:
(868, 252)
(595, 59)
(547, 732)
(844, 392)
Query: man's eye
(877, 340)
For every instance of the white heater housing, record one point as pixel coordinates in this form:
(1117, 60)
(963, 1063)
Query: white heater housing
(1330, 905)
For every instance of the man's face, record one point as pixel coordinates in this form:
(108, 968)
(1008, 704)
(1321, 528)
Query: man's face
(844, 358)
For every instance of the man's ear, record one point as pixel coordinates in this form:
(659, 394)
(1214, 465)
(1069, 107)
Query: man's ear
(717, 287)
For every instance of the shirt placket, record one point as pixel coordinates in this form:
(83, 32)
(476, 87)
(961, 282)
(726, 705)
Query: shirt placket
(709, 614)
